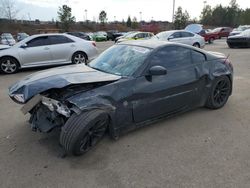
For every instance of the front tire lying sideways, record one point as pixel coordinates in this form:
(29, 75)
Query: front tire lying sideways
(82, 132)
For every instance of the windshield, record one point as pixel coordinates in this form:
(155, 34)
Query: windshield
(7, 36)
(216, 30)
(164, 35)
(246, 32)
(131, 35)
(121, 60)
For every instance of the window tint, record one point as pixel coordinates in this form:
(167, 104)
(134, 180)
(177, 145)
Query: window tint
(39, 41)
(172, 57)
(198, 57)
(177, 35)
(57, 39)
(186, 34)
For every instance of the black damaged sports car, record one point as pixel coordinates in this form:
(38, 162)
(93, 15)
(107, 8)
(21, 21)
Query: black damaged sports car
(239, 41)
(129, 85)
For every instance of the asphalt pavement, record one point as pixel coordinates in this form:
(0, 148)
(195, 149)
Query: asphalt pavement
(201, 148)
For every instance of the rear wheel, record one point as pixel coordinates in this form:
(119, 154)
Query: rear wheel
(197, 45)
(79, 57)
(211, 40)
(219, 93)
(8, 65)
(82, 132)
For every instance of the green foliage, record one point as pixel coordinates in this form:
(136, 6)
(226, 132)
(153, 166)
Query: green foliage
(206, 15)
(129, 22)
(65, 17)
(180, 19)
(230, 15)
(134, 24)
(103, 17)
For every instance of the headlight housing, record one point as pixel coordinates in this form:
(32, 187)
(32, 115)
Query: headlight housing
(19, 98)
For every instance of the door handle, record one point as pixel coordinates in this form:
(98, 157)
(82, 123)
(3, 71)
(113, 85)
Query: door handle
(72, 45)
(46, 48)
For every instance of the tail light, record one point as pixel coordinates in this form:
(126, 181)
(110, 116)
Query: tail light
(94, 44)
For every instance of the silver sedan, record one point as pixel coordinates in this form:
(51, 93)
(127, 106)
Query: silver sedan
(46, 50)
(182, 36)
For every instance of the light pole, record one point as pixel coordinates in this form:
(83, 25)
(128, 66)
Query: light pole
(86, 12)
(173, 11)
(140, 16)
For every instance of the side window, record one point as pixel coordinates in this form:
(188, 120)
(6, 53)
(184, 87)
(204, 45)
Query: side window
(198, 57)
(177, 35)
(57, 39)
(203, 32)
(172, 57)
(139, 35)
(186, 34)
(39, 41)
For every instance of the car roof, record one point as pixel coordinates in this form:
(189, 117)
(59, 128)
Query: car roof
(49, 34)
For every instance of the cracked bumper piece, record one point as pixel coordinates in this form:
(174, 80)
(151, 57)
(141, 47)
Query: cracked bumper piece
(46, 113)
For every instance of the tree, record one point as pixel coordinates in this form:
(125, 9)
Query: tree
(65, 17)
(8, 9)
(206, 15)
(129, 22)
(180, 19)
(134, 24)
(245, 17)
(103, 16)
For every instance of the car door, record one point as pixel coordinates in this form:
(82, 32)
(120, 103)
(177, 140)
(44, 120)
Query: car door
(166, 94)
(35, 52)
(62, 48)
(176, 37)
(187, 38)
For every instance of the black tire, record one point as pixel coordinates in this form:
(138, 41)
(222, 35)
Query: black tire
(211, 40)
(9, 65)
(79, 57)
(82, 132)
(197, 45)
(220, 92)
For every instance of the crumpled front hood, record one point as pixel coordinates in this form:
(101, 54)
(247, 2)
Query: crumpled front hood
(58, 78)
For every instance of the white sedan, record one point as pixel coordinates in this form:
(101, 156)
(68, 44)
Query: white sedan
(46, 50)
(182, 36)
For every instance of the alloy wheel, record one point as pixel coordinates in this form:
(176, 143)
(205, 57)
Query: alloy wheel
(8, 66)
(79, 58)
(221, 92)
(93, 135)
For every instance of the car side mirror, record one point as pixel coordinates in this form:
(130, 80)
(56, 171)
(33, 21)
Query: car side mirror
(24, 45)
(157, 71)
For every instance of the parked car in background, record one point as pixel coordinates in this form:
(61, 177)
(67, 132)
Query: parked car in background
(124, 35)
(46, 50)
(129, 85)
(21, 36)
(136, 36)
(81, 35)
(182, 36)
(99, 36)
(222, 31)
(113, 34)
(241, 40)
(198, 29)
(90, 34)
(239, 30)
(208, 36)
(7, 39)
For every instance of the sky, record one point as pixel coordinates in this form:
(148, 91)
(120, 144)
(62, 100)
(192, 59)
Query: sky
(116, 9)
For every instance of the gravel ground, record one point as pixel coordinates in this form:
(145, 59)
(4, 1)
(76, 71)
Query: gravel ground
(201, 148)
